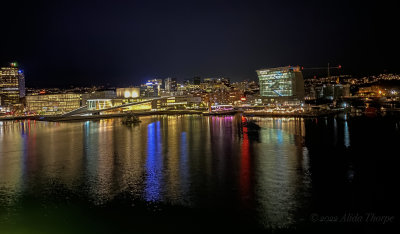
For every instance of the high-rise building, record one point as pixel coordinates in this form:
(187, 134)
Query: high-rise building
(281, 84)
(151, 89)
(12, 85)
(170, 84)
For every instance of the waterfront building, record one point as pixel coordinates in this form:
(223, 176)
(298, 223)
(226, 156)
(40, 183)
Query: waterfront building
(12, 85)
(52, 104)
(281, 85)
(340, 91)
(177, 102)
(146, 106)
(334, 91)
(99, 103)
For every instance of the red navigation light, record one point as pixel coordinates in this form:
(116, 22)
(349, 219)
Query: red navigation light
(302, 68)
(340, 66)
(243, 99)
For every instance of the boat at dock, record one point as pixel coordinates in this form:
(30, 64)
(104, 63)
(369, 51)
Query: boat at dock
(221, 112)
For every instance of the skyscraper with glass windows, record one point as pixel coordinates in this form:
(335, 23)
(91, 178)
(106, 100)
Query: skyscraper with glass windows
(12, 85)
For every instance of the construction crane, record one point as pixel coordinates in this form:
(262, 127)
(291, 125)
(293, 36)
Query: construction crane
(322, 68)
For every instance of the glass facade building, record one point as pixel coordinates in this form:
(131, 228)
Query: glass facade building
(52, 104)
(12, 85)
(282, 83)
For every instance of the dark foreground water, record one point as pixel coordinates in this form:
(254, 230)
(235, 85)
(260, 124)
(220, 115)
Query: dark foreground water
(195, 174)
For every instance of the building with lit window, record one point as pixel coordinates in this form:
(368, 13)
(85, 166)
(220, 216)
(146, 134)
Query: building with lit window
(281, 84)
(170, 84)
(100, 94)
(151, 89)
(177, 102)
(12, 85)
(52, 104)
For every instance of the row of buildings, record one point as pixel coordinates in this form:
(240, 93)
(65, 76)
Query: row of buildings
(275, 86)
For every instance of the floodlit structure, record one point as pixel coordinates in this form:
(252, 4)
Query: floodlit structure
(128, 92)
(281, 84)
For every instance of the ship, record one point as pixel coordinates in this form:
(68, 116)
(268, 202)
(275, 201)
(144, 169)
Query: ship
(221, 110)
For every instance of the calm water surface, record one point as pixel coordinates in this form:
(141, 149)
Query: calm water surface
(195, 172)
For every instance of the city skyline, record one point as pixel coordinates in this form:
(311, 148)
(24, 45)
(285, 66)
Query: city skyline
(128, 43)
(199, 116)
(309, 73)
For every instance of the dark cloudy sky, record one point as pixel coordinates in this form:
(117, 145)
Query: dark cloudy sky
(62, 43)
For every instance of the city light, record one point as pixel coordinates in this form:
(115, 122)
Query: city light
(199, 117)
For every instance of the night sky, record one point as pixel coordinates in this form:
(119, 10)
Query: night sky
(120, 43)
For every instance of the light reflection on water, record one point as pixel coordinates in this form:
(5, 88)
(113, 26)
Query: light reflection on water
(186, 160)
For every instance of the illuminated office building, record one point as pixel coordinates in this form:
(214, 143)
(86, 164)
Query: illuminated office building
(52, 104)
(12, 85)
(151, 89)
(281, 84)
(170, 84)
